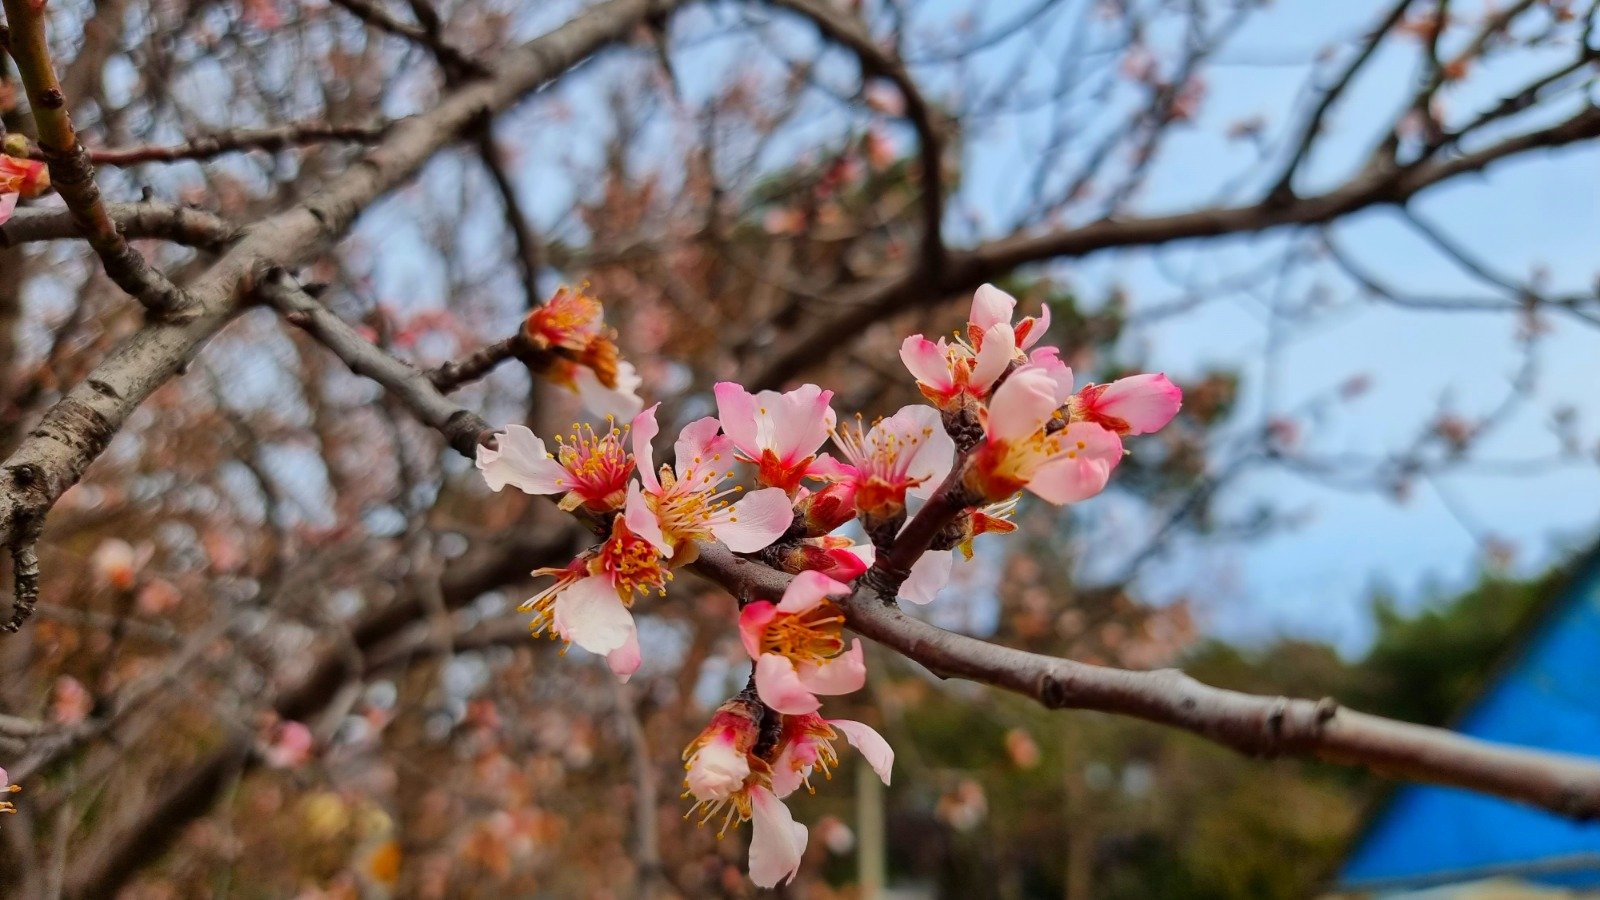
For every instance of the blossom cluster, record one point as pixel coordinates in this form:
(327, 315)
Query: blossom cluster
(1002, 418)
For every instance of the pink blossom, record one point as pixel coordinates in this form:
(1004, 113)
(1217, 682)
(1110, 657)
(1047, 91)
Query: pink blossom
(993, 307)
(1019, 450)
(951, 374)
(20, 178)
(683, 504)
(806, 745)
(1138, 404)
(779, 433)
(589, 468)
(909, 452)
(290, 747)
(798, 645)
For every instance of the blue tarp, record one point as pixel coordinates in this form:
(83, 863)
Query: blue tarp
(1547, 698)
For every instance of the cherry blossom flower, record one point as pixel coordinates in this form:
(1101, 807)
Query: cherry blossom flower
(806, 745)
(779, 433)
(725, 776)
(117, 564)
(588, 604)
(909, 452)
(584, 356)
(992, 307)
(6, 787)
(798, 646)
(1019, 451)
(687, 503)
(290, 747)
(1138, 404)
(20, 178)
(588, 469)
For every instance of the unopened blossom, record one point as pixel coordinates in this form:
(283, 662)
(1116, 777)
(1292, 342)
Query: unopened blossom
(726, 777)
(822, 511)
(588, 604)
(20, 178)
(779, 433)
(686, 502)
(589, 468)
(798, 645)
(907, 453)
(835, 556)
(805, 746)
(1138, 404)
(1018, 450)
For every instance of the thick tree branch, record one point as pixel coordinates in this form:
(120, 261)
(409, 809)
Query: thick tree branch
(164, 221)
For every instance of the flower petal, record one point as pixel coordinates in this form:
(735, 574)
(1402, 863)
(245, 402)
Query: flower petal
(778, 685)
(1145, 402)
(625, 660)
(1023, 404)
(590, 614)
(929, 574)
(777, 841)
(800, 422)
(8, 205)
(933, 452)
(874, 749)
(807, 590)
(990, 307)
(642, 520)
(753, 620)
(621, 402)
(925, 360)
(999, 348)
(736, 408)
(520, 459)
(843, 674)
(645, 428)
(1068, 479)
(786, 776)
(762, 517)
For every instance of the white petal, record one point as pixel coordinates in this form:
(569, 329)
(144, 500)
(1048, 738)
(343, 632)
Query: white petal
(777, 841)
(874, 749)
(929, 574)
(763, 516)
(520, 459)
(590, 614)
(620, 403)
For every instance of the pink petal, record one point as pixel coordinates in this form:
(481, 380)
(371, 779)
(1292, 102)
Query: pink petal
(874, 749)
(1145, 402)
(700, 441)
(925, 360)
(642, 520)
(736, 408)
(625, 660)
(520, 459)
(1070, 479)
(825, 466)
(621, 402)
(800, 422)
(778, 685)
(1049, 360)
(934, 452)
(753, 621)
(1023, 404)
(807, 590)
(999, 348)
(1041, 325)
(786, 776)
(763, 516)
(8, 205)
(590, 614)
(929, 574)
(777, 841)
(843, 674)
(990, 307)
(645, 428)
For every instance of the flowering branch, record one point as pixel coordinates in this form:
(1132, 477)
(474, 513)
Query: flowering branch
(72, 172)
